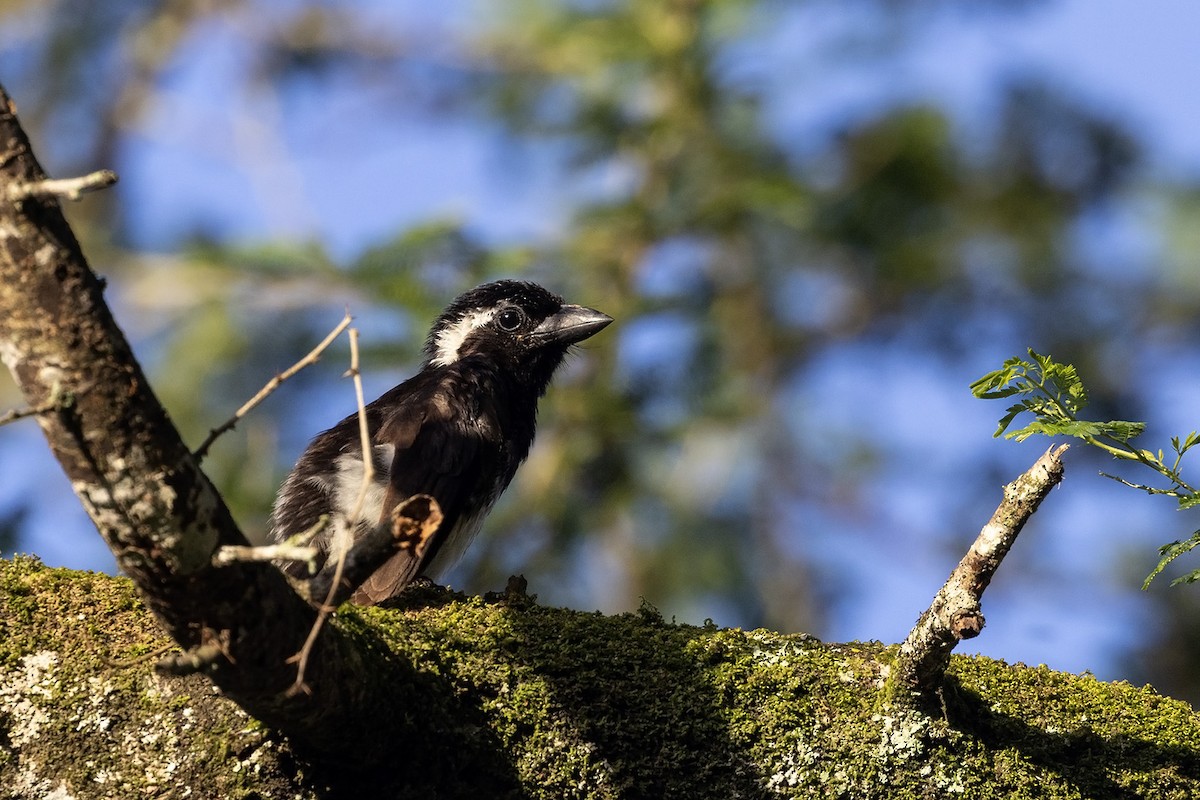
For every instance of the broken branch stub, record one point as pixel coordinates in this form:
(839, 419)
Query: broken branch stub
(955, 613)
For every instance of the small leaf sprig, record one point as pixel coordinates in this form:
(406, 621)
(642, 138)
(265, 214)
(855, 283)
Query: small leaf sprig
(1054, 394)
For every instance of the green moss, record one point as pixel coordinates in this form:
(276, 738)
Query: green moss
(87, 714)
(20, 601)
(594, 706)
(515, 700)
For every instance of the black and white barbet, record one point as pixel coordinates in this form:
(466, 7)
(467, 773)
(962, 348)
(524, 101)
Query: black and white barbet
(457, 430)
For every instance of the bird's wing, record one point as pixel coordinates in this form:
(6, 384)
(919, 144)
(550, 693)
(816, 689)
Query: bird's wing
(436, 455)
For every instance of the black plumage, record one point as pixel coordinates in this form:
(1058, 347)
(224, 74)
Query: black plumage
(457, 430)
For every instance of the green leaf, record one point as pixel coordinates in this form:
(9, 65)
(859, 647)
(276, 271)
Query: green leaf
(1080, 429)
(1054, 394)
(989, 386)
(1122, 431)
(1191, 577)
(1187, 443)
(1169, 553)
(1000, 394)
(1007, 419)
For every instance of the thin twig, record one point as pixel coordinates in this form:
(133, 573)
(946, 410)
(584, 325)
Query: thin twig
(57, 401)
(237, 553)
(70, 188)
(413, 525)
(144, 657)
(313, 356)
(294, 548)
(21, 413)
(198, 659)
(1141, 486)
(301, 658)
(955, 613)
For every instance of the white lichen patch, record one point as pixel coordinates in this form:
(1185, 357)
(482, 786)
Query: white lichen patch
(798, 763)
(152, 504)
(29, 784)
(901, 741)
(148, 749)
(903, 735)
(92, 713)
(143, 501)
(579, 766)
(947, 783)
(152, 753)
(46, 255)
(51, 375)
(904, 741)
(794, 767)
(19, 689)
(771, 649)
(11, 355)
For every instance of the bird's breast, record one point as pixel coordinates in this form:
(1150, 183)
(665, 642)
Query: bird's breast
(357, 502)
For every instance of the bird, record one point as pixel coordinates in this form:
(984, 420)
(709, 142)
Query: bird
(456, 430)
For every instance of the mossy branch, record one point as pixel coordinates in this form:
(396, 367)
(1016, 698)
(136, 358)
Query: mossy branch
(522, 701)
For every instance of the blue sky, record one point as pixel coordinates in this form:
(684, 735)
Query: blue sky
(1134, 61)
(1138, 62)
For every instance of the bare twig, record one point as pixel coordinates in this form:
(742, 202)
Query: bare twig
(57, 401)
(313, 356)
(212, 651)
(70, 188)
(198, 659)
(294, 548)
(143, 658)
(954, 614)
(233, 553)
(21, 413)
(340, 548)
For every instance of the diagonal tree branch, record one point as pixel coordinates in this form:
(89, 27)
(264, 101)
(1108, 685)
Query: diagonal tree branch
(954, 615)
(149, 499)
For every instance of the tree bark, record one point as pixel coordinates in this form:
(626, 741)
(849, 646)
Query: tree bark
(956, 611)
(149, 498)
(520, 700)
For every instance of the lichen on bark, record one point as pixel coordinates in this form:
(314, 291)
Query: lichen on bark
(521, 700)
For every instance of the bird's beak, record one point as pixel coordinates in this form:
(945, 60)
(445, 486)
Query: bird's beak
(571, 324)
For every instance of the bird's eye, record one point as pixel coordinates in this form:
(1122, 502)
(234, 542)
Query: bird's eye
(510, 319)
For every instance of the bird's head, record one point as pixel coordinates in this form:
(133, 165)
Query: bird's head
(516, 324)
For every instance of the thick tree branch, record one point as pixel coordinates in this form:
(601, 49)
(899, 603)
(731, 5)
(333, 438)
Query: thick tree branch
(955, 614)
(147, 495)
(544, 703)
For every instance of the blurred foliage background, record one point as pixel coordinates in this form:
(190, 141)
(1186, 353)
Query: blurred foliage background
(806, 275)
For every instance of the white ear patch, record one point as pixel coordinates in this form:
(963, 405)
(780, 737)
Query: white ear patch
(451, 339)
